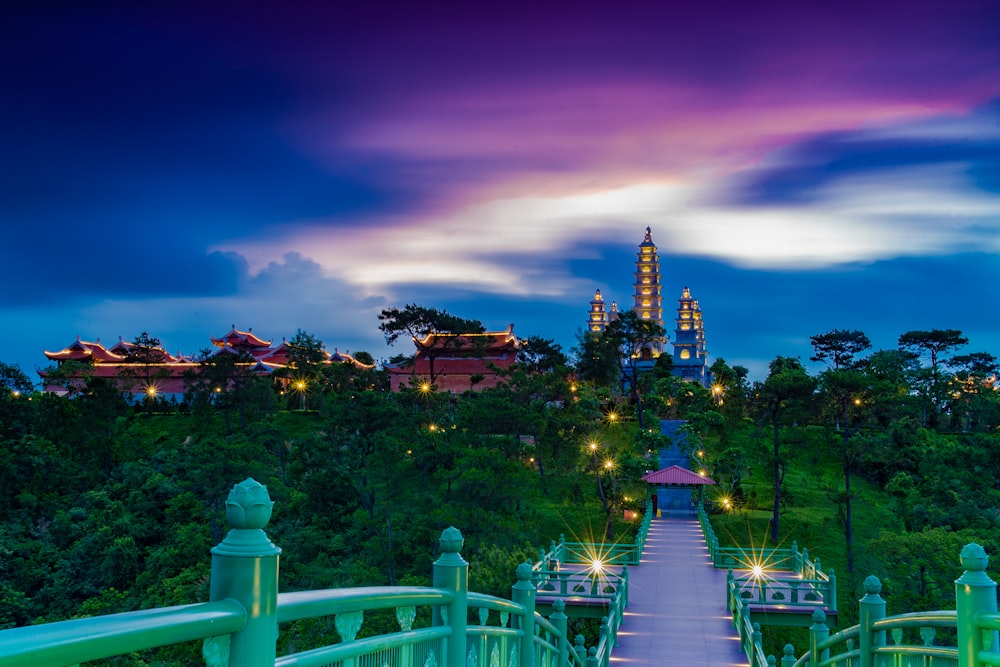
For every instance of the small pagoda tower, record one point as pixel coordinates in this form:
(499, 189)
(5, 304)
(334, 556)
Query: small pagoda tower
(598, 319)
(690, 352)
(648, 301)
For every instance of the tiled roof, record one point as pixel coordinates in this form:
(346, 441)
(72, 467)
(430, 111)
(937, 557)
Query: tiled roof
(238, 338)
(678, 476)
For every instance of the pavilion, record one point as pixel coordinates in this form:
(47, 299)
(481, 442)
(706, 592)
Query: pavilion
(681, 482)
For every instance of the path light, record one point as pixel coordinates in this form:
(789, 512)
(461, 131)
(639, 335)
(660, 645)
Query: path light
(597, 566)
(612, 417)
(425, 387)
(300, 386)
(151, 391)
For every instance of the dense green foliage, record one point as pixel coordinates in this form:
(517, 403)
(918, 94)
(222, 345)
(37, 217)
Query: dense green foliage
(883, 464)
(108, 505)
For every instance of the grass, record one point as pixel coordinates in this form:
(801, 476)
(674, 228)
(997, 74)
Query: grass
(813, 520)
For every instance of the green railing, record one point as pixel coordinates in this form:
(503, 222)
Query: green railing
(585, 553)
(772, 576)
(239, 625)
(975, 625)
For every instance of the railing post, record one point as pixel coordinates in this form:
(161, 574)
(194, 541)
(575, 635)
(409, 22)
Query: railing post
(730, 590)
(818, 633)
(870, 609)
(624, 584)
(245, 569)
(450, 571)
(975, 592)
(788, 660)
(796, 559)
(746, 630)
(592, 657)
(831, 602)
(581, 650)
(561, 623)
(606, 640)
(523, 593)
(758, 641)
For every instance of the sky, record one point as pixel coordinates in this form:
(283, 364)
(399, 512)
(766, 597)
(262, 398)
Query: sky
(180, 168)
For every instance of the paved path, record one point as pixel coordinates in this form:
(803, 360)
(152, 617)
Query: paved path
(677, 614)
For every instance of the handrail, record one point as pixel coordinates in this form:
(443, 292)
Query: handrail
(975, 619)
(83, 639)
(326, 655)
(327, 602)
(614, 553)
(240, 624)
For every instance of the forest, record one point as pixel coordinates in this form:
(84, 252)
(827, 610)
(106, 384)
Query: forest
(886, 462)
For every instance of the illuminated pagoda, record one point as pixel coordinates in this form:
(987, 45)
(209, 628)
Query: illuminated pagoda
(599, 319)
(159, 373)
(456, 362)
(647, 301)
(690, 354)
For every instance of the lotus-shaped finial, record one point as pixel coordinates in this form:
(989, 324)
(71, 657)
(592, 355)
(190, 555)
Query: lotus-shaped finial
(248, 505)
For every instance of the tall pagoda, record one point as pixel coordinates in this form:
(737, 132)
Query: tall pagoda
(648, 304)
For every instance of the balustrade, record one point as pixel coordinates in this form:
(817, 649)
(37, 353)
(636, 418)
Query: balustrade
(239, 625)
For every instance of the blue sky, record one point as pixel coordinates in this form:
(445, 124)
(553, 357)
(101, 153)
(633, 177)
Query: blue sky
(179, 169)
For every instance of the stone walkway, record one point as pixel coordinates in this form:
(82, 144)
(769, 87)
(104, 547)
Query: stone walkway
(677, 614)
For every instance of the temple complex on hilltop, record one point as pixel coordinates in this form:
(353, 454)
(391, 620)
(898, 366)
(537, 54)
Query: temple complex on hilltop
(690, 355)
(157, 372)
(456, 362)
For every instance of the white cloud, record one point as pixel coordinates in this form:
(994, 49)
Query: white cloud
(519, 245)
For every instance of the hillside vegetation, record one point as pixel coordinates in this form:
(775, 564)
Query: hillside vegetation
(882, 464)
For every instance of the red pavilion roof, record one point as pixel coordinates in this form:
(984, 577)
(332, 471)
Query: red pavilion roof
(678, 476)
(81, 350)
(238, 338)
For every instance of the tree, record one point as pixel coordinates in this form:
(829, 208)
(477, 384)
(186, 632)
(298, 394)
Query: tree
(845, 388)
(975, 401)
(889, 372)
(730, 388)
(934, 345)
(144, 365)
(596, 361)
(13, 381)
(419, 321)
(541, 355)
(786, 388)
(630, 335)
(839, 347)
(225, 381)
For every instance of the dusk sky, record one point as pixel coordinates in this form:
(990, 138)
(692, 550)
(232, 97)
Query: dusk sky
(178, 168)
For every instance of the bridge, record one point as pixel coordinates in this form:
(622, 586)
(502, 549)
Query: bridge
(672, 597)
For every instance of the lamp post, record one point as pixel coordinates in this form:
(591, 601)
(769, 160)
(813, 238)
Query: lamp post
(300, 387)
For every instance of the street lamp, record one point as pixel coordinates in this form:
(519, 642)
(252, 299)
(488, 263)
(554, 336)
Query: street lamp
(300, 387)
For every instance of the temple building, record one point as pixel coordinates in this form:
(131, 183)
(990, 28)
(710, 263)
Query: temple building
(160, 373)
(690, 355)
(456, 362)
